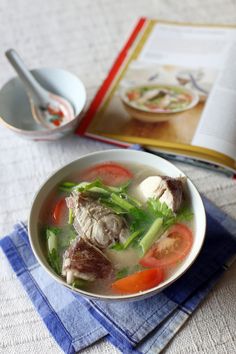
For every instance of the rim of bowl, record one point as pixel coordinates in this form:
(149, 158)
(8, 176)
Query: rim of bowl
(46, 131)
(134, 296)
(195, 98)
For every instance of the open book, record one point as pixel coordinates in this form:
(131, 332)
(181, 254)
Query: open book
(172, 89)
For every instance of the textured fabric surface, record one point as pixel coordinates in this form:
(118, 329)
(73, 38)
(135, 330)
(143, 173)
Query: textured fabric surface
(134, 327)
(84, 37)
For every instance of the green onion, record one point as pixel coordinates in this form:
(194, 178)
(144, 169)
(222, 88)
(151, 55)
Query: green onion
(117, 246)
(118, 210)
(98, 186)
(122, 246)
(152, 235)
(121, 202)
(67, 186)
(52, 240)
(52, 244)
(71, 216)
(134, 201)
(131, 238)
(95, 186)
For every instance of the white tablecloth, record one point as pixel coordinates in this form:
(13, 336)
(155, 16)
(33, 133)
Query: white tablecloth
(84, 37)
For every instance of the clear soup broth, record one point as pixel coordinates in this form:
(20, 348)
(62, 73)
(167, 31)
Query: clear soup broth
(117, 228)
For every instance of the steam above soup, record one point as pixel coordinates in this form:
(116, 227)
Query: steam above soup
(118, 230)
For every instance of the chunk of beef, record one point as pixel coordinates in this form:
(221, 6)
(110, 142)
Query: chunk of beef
(95, 222)
(85, 261)
(167, 189)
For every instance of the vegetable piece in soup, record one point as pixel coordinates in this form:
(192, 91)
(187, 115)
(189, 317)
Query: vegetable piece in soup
(159, 98)
(119, 229)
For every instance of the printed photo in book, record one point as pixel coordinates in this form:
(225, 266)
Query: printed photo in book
(172, 90)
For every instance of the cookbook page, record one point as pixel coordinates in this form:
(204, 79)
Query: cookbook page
(217, 129)
(162, 90)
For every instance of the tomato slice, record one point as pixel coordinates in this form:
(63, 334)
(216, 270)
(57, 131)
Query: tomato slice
(54, 112)
(133, 95)
(56, 122)
(171, 249)
(109, 173)
(59, 210)
(140, 281)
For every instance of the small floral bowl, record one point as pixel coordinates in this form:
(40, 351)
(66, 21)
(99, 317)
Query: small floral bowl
(15, 110)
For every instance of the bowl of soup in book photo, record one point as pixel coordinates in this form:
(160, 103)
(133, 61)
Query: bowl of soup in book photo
(117, 225)
(157, 103)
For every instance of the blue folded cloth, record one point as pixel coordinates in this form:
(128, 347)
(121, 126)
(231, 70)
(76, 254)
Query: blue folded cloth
(144, 326)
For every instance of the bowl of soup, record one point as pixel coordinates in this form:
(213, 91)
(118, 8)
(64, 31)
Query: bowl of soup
(117, 225)
(157, 103)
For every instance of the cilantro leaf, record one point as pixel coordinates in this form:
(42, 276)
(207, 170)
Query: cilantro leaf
(122, 273)
(54, 261)
(52, 229)
(185, 214)
(161, 210)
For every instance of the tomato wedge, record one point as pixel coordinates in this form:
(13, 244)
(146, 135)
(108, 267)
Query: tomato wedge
(140, 281)
(59, 210)
(109, 173)
(171, 249)
(133, 95)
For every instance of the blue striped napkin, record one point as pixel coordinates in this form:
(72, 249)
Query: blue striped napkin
(136, 327)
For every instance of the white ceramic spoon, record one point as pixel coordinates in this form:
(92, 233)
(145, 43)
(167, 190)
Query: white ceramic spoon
(48, 109)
